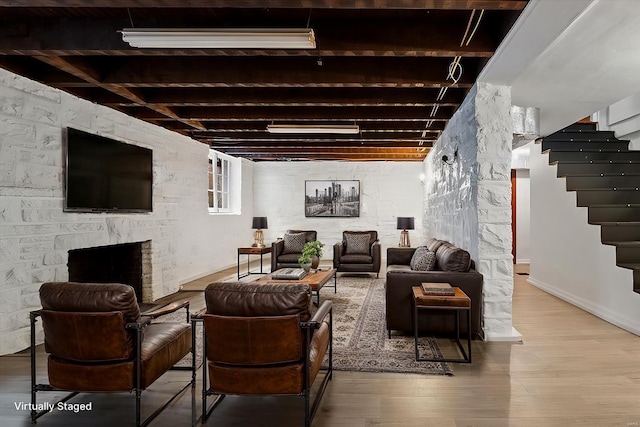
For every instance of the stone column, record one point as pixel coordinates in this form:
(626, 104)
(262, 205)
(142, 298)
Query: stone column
(468, 196)
(495, 262)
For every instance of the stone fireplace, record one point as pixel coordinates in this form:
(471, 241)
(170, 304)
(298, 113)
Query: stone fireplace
(128, 263)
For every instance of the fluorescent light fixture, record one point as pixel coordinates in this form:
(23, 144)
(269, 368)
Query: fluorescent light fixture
(221, 38)
(342, 129)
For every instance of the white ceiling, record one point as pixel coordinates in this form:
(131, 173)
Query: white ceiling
(570, 58)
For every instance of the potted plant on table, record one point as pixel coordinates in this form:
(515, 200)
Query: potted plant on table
(305, 262)
(314, 251)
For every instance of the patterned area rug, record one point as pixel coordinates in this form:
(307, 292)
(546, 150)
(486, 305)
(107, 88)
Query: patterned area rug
(360, 335)
(360, 341)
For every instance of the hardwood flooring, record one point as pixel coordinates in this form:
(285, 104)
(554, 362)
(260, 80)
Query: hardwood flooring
(572, 369)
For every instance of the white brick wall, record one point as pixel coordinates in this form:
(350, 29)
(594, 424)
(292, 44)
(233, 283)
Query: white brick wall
(468, 202)
(35, 234)
(387, 190)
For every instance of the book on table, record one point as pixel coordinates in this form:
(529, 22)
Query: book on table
(443, 289)
(289, 274)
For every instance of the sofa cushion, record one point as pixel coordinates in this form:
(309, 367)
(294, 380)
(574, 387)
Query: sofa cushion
(434, 244)
(289, 258)
(452, 258)
(423, 259)
(294, 243)
(357, 243)
(356, 259)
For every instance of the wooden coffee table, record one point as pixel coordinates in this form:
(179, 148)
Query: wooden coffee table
(316, 280)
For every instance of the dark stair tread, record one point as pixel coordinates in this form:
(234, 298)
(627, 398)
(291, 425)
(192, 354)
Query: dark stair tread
(587, 150)
(616, 188)
(578, 127)
(596, 169)
(625, 244)
(630, 265)
(601, 174)
(620, 223)
(596, 161)
(611, 205)
(583, 138)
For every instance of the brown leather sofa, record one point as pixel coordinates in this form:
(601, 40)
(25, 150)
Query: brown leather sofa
(263, 340)
(280, 259)
(366, 261)
(453, 266)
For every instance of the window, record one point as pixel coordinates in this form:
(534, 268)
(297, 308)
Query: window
(219, 182)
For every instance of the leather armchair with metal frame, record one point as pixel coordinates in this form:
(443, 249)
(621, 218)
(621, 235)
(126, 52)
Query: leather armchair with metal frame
(263, 340)
(97, 341)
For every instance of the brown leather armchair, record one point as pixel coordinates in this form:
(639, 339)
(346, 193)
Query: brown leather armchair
(262, 340)
(348, 258)
(98, 342)
(281, 258)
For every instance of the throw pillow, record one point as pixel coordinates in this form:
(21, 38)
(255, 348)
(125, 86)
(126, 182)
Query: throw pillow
(452, 258)
(294, 243)
(423, 259)
(357, 243)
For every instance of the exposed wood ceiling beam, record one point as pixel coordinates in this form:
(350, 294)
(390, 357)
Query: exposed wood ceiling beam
(239, 96)
(428, 36)
(324, 153)
(343, 114)
(308, 4)
(272, 71)
(260, 126)
(90, 75)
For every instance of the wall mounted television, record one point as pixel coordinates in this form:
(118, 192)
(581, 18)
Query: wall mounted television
(105, 175)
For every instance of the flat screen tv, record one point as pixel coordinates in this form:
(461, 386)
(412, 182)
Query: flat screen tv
(105, 175)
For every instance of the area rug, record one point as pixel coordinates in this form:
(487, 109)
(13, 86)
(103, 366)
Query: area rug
(360, 341)
(360, 336)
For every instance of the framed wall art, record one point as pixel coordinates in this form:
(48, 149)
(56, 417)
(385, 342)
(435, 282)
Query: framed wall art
(332, 198)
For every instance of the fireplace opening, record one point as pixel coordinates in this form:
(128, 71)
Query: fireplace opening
(124, 263)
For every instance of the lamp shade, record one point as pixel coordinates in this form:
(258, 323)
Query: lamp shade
(259, 222)
(405, 223)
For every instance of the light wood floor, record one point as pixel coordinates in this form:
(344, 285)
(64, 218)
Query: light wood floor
(572, 369)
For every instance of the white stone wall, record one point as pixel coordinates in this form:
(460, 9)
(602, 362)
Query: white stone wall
(387, 190)
(468, 202)
(35, 234)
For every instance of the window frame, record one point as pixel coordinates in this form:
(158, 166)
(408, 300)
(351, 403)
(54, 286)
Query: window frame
(219, 182)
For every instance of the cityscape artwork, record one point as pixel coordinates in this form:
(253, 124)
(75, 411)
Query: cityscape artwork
(332, 198)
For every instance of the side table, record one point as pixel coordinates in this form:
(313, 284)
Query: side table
(458, 302)
(248, 251)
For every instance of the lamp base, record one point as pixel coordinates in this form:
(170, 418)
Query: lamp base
(258, 239)
(404, 239)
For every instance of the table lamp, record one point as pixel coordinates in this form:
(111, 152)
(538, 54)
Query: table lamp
(405, 223)
(259, 222)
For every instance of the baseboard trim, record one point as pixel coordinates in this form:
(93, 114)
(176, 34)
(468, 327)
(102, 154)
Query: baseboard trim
(586, 305)
(515, 336)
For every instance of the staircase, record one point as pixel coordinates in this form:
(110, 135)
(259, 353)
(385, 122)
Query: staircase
(605, 174)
